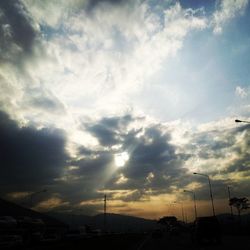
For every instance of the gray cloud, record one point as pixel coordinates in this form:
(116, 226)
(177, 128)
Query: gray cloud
(74, 190)
(94, 3)
(242, 162)
(109, 131)
(227, 151)
(93, 165)
(17, 34)
(151, 153)
(29, 157)
(83, 182)
(154, 163)
(21, 51)
(214, 145)
(43, 99)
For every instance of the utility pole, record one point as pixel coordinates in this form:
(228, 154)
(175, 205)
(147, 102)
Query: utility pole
(182, 212)
(211, 195)
(105, 213)
(195, 209)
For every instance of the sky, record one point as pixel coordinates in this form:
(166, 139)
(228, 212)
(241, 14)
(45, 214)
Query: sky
(124, 98)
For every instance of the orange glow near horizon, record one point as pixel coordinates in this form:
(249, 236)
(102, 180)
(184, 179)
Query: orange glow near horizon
(155, 207)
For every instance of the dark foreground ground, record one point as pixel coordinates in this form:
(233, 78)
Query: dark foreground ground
(143, 242)
(184, 242)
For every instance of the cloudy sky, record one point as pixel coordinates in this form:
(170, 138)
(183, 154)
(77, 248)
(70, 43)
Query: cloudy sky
(126, 98)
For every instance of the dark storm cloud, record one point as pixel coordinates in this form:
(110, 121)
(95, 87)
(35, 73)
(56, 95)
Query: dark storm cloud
(106, 136)
(29, 157)
(149, 154)
(109, 131)
(153, 148)
(93, 165)
(153, 153)
(16, 31)
(74, 190)
(89, 175)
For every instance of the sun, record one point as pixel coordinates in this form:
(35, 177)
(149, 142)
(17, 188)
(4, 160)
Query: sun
(121, 159)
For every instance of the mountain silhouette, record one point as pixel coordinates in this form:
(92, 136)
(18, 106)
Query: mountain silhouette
(114, 222)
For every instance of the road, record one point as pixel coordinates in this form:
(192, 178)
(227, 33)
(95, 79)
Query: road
(183, 242)
(145, 242)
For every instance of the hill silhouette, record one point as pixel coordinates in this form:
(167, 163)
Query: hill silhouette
(8, 208)
(114, 222)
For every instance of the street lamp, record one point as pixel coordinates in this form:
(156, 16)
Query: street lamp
(195, 210)
(210, 188)
(105, 213)
(33, 194)
(241, 121)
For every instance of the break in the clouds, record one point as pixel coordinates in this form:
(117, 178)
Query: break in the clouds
(123, 97)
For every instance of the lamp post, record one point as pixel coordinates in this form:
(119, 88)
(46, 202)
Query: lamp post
(32, 196)
(241, 121)
(210, 188)
(105, 212)
(195, 210)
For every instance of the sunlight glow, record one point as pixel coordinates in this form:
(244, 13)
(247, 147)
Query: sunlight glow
(121, 159)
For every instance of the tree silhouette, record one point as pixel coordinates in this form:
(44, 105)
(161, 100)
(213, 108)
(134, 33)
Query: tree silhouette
(167, 220)
(240, 204)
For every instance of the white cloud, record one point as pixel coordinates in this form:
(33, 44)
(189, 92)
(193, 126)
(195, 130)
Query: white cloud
(240, 92)
(91, 64)
(52, 12)
(51, 203)
(122, 179)
(228, 9)
(240, 107)
(103, 58)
